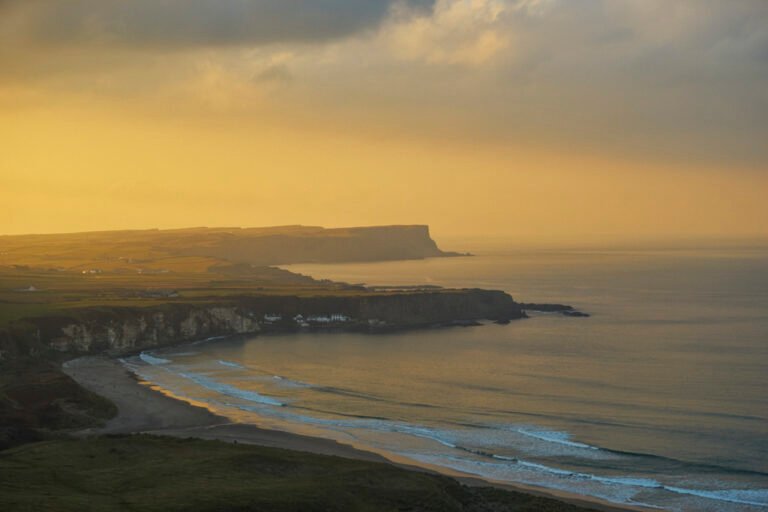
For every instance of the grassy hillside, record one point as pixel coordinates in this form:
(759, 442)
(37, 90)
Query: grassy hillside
(38, 401)
(143, 473)
(43, 275)
(27, 291)
(198, 249)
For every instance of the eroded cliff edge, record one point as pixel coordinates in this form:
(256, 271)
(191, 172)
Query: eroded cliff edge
(128, 329)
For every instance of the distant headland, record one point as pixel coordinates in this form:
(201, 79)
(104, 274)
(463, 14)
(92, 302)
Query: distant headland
(100, 251)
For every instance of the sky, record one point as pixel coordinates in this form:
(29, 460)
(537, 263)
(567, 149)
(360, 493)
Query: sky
(519, 118)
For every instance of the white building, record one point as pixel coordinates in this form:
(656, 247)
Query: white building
(326, 319)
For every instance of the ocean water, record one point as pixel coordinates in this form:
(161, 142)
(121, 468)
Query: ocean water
(659, 399)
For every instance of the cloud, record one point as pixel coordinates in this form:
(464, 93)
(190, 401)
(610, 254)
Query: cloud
(467, 32)
(273, 73)
(184, 23)
(684, 80)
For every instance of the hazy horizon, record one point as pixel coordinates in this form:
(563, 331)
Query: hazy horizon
(469, 241)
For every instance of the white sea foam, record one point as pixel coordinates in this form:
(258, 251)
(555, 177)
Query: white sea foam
(551, 436)
(150, 359)
(206, 340)
(423, 432)
(647, 483)
(226, 389)
(753, 497)
(289, 383)
(231, 364)
(548, 469)
(532, 473)
(756, 497)
(610, 480)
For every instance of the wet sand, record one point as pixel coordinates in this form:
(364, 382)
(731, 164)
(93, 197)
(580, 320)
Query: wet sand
(143, 409)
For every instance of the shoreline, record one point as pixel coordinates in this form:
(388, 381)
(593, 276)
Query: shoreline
(144, 408)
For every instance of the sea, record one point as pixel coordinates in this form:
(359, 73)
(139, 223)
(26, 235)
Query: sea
(659, 399)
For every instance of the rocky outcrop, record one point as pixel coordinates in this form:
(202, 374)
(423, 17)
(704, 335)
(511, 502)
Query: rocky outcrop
(402, 309)
(563, 309)
(125, 329)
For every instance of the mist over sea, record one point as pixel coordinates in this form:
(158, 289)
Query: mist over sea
(659, 399)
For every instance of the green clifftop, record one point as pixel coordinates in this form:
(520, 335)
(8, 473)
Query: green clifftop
(196, 249)
(144, 473)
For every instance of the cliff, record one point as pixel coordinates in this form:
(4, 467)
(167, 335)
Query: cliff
(127, 329)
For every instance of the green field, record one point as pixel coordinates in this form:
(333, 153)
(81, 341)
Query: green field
(42, 275)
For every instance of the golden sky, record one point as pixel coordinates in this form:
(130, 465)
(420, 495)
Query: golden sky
(523, 118)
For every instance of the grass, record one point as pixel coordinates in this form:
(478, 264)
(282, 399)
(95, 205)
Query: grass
(37, 401)
(197, 263)
(62, 291)
(143, 473)
(12, 312)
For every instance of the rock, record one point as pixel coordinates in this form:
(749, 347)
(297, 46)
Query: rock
(130, 329)
(546, 308)
(575, 314)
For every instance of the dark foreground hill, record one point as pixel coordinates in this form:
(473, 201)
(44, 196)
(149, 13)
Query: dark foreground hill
(145, 473)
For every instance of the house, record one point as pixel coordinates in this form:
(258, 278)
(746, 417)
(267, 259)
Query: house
(326, 319)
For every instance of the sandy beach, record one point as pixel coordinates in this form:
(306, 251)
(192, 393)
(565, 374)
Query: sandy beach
(143, 409)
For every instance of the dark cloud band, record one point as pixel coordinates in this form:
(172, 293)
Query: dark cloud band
(195, 22)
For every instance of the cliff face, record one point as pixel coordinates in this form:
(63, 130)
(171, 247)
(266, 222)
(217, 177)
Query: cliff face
(121, 330)
(443, 307)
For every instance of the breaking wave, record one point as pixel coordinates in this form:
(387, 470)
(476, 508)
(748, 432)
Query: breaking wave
(150, 359)
(232, 391)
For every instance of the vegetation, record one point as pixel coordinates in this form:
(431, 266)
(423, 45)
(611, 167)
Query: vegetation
(144, 473)
(198, 249)
(44, 275)
(38, 401)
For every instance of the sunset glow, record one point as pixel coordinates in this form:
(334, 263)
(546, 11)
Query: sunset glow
(524, 118)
